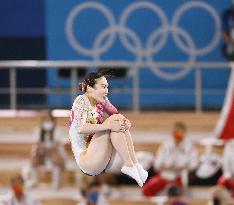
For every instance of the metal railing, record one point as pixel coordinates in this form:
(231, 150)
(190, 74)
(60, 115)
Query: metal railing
(73, 65)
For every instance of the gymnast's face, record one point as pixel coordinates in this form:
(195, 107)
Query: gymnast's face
(100, 90)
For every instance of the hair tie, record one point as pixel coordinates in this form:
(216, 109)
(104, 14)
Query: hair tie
(83, 87)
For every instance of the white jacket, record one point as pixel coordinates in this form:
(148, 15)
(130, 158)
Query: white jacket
(181, 155)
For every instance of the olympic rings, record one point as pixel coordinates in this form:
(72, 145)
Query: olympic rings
(69, 27)
(136, 47)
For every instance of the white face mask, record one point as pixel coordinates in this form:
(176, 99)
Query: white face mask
(47, 125)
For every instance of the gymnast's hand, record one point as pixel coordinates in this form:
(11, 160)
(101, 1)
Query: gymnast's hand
(115, 124)
(127, 124)
(124, 121)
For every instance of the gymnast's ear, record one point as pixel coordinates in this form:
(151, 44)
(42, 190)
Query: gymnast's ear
(89, 88)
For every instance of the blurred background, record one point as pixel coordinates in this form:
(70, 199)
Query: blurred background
(172, 62)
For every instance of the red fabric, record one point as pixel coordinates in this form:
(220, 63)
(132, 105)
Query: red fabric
(105, 107)
(157, 184)
(228, 129)
(109, 108)
(228, 183)
(223, 181)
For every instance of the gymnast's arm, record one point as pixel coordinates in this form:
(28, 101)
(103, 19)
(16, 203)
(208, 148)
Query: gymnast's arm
(83, 127)
(112, 110)
(109, 108)
(88, 128)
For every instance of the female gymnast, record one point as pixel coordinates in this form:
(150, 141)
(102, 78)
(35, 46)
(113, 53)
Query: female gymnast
(97, 131)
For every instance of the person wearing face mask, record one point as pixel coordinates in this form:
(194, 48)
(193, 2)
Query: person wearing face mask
(48, 151)
(92, 194)
(173, 157)
(18, 195)
(175, 196)
(98, 132)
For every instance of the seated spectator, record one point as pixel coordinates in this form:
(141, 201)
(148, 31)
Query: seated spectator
(173, 158)
(175, 196)
(93, 195)
(209, 168)
(49, 151)
(18, 196)
(227, 179)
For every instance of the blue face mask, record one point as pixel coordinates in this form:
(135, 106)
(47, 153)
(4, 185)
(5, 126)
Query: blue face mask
(94, 197)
